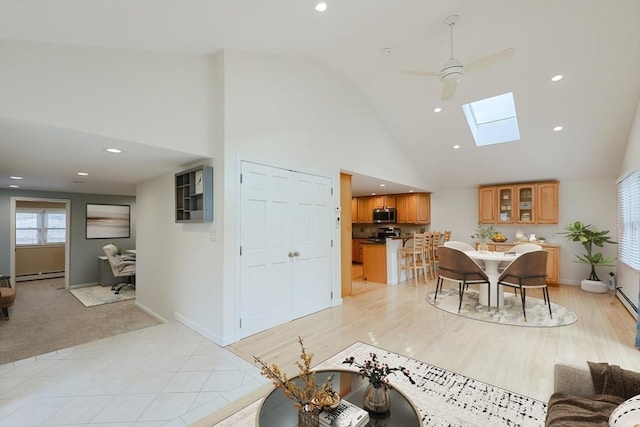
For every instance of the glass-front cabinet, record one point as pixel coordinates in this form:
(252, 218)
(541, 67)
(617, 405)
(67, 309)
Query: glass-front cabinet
(506, 209)
(526, 209)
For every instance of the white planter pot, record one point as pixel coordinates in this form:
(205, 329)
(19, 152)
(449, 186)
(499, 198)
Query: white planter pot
(594, 286)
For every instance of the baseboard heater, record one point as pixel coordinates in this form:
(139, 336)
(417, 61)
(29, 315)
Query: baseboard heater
(39, 276)
(626, 301)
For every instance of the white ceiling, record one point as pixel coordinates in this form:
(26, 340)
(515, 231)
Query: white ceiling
(595, 44)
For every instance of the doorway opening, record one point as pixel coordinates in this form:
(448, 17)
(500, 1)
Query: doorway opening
(39, 251)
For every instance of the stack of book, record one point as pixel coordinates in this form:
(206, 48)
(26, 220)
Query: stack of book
(345, 415)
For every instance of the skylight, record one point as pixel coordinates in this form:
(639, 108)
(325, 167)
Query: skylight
(493, 120)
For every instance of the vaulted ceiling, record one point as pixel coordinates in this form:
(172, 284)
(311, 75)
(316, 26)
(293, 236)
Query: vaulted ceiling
(594, 44)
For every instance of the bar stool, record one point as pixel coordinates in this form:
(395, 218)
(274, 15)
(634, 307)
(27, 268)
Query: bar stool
(414, 258)
(7, 295)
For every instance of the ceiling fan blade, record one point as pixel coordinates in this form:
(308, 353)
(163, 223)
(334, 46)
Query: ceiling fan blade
(422, 73)
(448, 91)
(490, 60)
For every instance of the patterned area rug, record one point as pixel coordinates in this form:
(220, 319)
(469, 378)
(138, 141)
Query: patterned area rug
(98, 295)
(443, 398)
(510, 312)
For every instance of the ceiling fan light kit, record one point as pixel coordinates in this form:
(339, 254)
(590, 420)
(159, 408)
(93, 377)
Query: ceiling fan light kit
(453, 70)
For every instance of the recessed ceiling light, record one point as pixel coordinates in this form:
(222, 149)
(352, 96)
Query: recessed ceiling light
(410, 191)
(557, 78)
(321, 6)
(14, 186)
(114, 150)
(437, 110)
(16, 177)
(557, 128)
(373, 194)
(83, 173)
(455, 147)
(383, 185)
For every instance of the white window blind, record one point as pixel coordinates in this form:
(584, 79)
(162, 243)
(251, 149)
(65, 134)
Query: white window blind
(629, 220)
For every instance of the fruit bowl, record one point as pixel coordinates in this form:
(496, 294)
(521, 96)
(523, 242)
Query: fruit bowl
(504, 239)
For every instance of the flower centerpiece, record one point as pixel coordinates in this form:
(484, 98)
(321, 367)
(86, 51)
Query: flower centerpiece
(308, 397)
(376, 397)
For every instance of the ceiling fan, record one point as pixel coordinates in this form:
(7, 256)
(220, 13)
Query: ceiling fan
(453, 70)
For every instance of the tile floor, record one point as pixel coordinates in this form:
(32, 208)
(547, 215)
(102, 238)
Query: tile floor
(165, 375)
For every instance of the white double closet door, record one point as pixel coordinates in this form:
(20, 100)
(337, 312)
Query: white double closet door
(286, 246)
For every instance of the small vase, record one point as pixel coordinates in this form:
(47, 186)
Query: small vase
(308, 418)
(483, 247)
(376, 399)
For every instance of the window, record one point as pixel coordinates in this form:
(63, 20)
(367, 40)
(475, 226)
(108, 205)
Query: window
(493, 120)
(629, 220)
(40, 226)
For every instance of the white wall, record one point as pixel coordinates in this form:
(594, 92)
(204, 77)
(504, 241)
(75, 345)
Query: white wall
(155, 99)
(278, 111)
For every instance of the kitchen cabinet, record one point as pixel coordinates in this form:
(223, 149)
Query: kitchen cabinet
(354, 210)
(365, 210)
(553, 259)
(547, 197)
(413, 208)
(356, 250)
(380, 202)
(525, 203)
(506, 208)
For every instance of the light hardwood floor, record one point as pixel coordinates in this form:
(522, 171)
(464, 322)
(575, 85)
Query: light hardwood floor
(398, 318)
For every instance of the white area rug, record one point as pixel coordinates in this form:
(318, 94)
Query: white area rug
(510, 312)
(98, 295)
(443, 398)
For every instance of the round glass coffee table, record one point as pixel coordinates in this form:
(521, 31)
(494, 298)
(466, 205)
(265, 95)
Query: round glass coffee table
(276, 410)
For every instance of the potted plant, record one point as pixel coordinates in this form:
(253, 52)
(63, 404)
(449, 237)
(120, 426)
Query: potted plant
(589, 237)
(483, 233)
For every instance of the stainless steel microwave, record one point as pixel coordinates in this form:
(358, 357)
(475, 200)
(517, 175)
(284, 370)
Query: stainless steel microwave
(384, 215)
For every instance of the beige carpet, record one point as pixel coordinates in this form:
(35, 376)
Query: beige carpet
(97, 295)
(45, 317)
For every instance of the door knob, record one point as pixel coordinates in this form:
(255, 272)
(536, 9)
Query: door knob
(296, 253)
(291, 255)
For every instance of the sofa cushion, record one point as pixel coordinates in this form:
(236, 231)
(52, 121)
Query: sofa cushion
(627, 414)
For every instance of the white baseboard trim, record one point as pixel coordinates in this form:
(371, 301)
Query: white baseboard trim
(39, 276)
(196, 327)
(151, 312)
(626, 301)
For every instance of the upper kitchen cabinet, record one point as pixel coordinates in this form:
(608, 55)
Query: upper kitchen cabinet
(487, 211)
(547, 197)
(380, 202)
(506, 208)
(413, 208)
(365, 210)
(354, 210)
(526, 203)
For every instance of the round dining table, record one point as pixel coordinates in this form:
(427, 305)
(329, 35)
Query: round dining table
(491, 261)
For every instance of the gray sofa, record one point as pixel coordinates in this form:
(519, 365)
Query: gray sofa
(585, 398)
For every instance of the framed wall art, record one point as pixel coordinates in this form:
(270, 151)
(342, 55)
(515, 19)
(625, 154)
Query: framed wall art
(108, 221)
